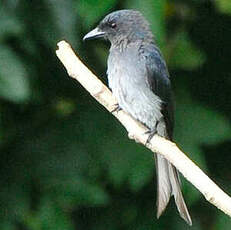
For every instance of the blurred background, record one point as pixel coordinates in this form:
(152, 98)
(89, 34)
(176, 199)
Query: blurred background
(66, 163)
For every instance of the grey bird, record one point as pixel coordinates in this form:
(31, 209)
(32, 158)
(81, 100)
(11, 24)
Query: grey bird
(139, 79)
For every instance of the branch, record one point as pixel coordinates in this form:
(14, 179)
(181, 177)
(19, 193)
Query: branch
(77, 70)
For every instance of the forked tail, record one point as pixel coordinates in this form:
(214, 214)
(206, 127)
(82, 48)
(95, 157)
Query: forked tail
(168, 184)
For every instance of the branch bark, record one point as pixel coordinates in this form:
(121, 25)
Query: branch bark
(77, 70)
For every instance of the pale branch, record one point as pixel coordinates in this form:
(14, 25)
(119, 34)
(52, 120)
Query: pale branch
(77, 70)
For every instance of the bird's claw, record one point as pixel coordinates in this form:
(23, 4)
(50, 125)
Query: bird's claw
(151, 133)
(116, 109)
(150, 136)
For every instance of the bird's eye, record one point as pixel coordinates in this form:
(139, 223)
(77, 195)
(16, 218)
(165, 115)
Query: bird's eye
(113, 25)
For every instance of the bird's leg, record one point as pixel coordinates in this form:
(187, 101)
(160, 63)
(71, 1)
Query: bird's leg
(151, 133)
(116, 109)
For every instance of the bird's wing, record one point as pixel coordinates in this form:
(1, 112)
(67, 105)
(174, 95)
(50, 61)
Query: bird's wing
(168, 182)
(158, 79)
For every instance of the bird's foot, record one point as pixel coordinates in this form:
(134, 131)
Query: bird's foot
(116, 109)
(151, 133)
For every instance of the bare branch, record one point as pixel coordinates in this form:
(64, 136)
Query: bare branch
(77, 70)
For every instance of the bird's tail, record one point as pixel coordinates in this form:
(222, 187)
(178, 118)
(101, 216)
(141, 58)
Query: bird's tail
(168, 184)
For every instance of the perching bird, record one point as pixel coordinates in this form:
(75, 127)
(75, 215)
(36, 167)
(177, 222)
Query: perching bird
(139, 79)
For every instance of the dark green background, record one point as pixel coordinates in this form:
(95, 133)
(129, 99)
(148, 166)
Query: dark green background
(66, 163)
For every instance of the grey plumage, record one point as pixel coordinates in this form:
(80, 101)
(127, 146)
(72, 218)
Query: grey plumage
(139, 79)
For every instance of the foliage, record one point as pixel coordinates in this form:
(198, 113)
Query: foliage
(66, 163)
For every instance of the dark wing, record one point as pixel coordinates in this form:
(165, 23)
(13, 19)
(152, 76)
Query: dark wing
(168, 182)
(158, 78)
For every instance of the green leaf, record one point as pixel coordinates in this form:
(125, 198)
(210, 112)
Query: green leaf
(223, 222)
(8, 226)
(127, 162)
(210, 126)
(11, 25)
(96, 9)
(224, 6)
(64, 18)
(48, 216)
(77, 191)
(142, 168)
(154, 12)
(185, 54)
(197, 125)
(117, 161)
(15, 200)
(14, 82)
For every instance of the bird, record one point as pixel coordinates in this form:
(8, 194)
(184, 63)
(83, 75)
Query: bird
(139, 79)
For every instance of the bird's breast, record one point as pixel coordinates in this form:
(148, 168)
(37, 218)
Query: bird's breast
(121, 76)
(126, 78)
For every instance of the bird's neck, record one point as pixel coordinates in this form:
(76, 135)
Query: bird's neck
(120, 44)
(124, 44)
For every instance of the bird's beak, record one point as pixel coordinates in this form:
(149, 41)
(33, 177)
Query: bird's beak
(96, 33)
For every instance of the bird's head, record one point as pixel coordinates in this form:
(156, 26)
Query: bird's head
(122, 25)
